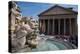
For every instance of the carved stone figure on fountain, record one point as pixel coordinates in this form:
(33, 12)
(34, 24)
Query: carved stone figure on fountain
(25, 35)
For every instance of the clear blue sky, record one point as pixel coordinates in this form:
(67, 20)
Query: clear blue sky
(33, 9)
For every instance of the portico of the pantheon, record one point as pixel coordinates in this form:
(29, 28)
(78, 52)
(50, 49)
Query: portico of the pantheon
(58, 20)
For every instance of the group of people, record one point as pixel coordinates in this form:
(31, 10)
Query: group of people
(72, 39)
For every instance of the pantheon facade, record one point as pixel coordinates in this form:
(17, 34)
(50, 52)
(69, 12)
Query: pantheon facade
(58, 20)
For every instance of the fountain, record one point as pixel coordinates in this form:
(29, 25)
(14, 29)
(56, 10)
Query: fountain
(27, 39)
(25, 36)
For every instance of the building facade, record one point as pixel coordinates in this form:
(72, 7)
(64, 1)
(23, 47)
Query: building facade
(58, 20)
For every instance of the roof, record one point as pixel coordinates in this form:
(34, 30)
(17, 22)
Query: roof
(67, 9)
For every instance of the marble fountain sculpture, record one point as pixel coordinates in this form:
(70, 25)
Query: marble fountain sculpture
(25, 36)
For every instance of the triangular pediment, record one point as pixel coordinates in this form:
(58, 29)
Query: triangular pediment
(57, 10)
